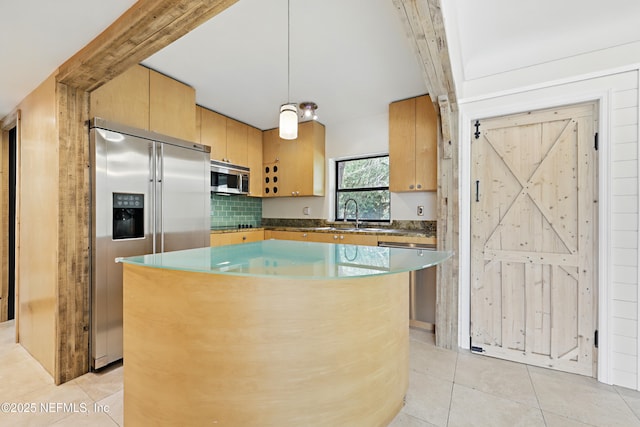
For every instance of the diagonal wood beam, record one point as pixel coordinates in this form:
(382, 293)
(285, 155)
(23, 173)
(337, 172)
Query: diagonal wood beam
(144, 29)
(424, 25)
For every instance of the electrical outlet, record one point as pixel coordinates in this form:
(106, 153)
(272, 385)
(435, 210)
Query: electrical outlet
(306, 210)
(420, 210)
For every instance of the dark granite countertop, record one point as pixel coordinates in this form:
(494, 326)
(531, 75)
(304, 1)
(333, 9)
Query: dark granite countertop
(234, 229)
(395, 228)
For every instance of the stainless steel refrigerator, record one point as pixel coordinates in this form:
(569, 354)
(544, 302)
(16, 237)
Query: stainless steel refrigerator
(150, 194)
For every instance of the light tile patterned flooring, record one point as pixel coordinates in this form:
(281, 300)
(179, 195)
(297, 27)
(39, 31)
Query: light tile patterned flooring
(446, 388)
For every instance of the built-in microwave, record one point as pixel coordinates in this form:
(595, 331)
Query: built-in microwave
(229, 179)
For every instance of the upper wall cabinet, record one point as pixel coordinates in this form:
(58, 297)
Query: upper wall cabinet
(148, 100)
(254, 160)
(413, 141)
(212, 132)
(228, 138)
(293, 168)
(125, 99)
(233, 142)
(172, 107)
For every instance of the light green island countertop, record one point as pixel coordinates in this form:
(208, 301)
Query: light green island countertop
(291, 259)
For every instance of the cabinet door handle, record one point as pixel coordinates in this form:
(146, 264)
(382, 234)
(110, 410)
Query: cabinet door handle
(477, 191)
(411, 187)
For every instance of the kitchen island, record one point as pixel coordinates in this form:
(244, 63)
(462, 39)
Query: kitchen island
(268, 333)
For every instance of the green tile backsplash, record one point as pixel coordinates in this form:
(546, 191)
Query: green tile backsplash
(234, 210)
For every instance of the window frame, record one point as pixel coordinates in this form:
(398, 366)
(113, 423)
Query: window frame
(355, 190)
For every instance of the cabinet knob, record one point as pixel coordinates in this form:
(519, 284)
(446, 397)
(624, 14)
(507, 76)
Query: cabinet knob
(341, 237)
(244, 237)
(293, 193)
(335, 237)
(304, 235)
(419, 186)
(411, 187)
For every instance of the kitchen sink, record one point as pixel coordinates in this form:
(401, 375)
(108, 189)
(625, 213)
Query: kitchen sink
(354, 230)
(370, 230)
(360, 229)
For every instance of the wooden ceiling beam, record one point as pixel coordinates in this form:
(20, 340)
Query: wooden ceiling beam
(424, 26)
(144, 29)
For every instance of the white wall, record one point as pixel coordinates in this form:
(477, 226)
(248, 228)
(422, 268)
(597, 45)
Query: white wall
(617, 93)
(567, 70)
(362, 137)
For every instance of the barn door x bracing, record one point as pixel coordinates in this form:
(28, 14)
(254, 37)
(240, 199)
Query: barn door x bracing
(534, 238)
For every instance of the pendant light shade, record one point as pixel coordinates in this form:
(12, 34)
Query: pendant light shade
(288, 121)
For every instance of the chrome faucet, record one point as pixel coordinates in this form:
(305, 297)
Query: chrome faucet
(344, 213)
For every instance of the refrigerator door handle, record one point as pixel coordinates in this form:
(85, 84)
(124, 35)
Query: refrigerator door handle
(160, 213)
(153, 160)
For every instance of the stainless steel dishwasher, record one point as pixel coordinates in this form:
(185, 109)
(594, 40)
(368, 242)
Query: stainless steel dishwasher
(422, 289)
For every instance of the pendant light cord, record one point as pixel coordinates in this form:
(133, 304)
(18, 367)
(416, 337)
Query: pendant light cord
(288, 51)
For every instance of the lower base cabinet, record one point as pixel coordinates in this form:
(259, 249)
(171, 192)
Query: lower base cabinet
(346, 239)
(236, 237)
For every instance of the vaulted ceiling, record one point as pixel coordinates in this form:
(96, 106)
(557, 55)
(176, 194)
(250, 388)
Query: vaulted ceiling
(351, 57)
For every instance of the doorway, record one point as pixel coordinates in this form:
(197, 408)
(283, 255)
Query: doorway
(534, 238)
(11, 232)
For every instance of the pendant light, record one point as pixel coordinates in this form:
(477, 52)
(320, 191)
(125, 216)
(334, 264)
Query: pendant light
(289, 111)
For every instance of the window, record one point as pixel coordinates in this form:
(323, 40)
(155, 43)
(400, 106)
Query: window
(366, 181)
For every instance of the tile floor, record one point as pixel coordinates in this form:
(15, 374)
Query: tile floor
(446, 388)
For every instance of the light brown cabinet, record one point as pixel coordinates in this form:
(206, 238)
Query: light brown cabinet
(236, 237)
(254, 160)
(172, 107)
(310, 236)
(124, 99)
(413, 127)
(237, 133)
(300, 236)
(148, 100)
(229, 139)
(294, 168)
(345, 238)
(213, 132)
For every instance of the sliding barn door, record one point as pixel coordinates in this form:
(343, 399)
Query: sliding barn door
(534, 238)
